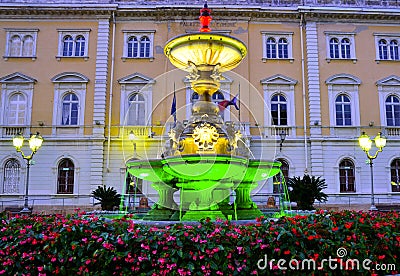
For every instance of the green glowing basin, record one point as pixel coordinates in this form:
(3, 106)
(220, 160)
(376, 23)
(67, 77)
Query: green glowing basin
(258, 170)
(205, 167)
(150, 170)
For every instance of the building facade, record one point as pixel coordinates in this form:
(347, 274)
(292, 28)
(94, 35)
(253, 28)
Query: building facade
(86, 74)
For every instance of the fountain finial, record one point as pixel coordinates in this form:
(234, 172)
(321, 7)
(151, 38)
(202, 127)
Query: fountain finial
(205, 18)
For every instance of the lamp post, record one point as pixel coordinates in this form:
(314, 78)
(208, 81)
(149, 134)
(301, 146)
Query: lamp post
(35, 142)
(365, 144)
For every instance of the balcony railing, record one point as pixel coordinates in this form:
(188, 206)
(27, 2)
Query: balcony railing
(11, 131)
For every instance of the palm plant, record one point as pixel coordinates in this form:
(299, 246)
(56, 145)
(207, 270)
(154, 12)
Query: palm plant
(305, 191)
(108, 197)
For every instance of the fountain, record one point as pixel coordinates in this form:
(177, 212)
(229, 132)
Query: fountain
(205, 159)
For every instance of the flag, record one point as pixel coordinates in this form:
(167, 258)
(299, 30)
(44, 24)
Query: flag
(173, 106)
(225, 103)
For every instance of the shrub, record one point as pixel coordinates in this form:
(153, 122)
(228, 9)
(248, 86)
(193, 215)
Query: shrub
(108, 197)
(87, 245)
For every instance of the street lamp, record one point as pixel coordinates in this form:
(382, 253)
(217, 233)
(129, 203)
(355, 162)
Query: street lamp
(365, 144)
(35, 142)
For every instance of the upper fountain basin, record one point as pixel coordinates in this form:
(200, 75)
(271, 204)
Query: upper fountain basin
(205, 49)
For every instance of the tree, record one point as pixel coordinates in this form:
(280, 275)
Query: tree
(305, 191)
(108, 197)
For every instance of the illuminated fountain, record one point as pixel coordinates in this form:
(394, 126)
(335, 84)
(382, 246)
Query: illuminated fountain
(205, 159)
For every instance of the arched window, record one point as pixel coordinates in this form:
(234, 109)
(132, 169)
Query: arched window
(347, 176)
(383, 49)
(144, 47)
(27, 47)
(394, 50)
(277, 180)
(136, 111)
(12, 177)
(345, 47)
(17, 109)
(279, 110)
(80, 46)
(70, 104)
(392, 108)
(334, 47)
(395, 175)
(68, 46)
(16, 45)
(283, 48)
(65, 177)
(271, 47)
(343, 110)
(133, 46)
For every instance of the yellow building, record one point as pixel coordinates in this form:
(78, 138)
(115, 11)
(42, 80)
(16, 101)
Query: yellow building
(86, 74)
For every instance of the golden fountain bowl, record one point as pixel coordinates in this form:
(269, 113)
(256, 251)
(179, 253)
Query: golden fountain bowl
(204, 49)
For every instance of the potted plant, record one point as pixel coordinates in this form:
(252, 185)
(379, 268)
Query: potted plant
(108, 197)
(305, 191)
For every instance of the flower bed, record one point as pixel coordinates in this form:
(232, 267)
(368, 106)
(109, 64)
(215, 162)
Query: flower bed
(86, 245)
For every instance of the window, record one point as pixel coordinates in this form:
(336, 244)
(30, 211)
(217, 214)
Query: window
(387, 46)
(340, 46)
(136, 100)
(279, 103)
(392, 107)
(21, 43)
(16, 104)
(70, 113)
(73, 43)
(389, 103)
(277, 45)
(134, 185)
(138, 44)
(343, 103)
(136, 112)
(65, 177)
(277, 188)
(395, 175)
(16, 109)
(279, 110)
(12, 177)
(343, 110)
(347, 176)
(69, 103)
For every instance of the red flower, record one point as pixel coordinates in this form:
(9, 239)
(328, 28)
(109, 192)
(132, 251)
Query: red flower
(286, 252)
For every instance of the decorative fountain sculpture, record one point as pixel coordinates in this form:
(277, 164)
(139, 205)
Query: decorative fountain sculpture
(206, 158)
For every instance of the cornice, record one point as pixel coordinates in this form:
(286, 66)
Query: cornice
(178, 13)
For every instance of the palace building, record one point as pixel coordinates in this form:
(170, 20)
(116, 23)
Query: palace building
(92, 78)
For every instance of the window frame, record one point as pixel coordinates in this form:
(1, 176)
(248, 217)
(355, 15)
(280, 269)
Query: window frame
(354, 176)
(64, 83)
(139, 35)
(16, 83)
(73, 177)
(393, 105)
(136, 83)
(279, 84)
(388, 38)
(75, 34)
(395, 185)
(21, 33)
(386, 87)
(17, 190)
(343, 103)
(340, 37)
(279, 103)
(277, 36)
(348, 85)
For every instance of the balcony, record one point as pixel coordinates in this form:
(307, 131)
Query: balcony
(275, 131)
(10, 131)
